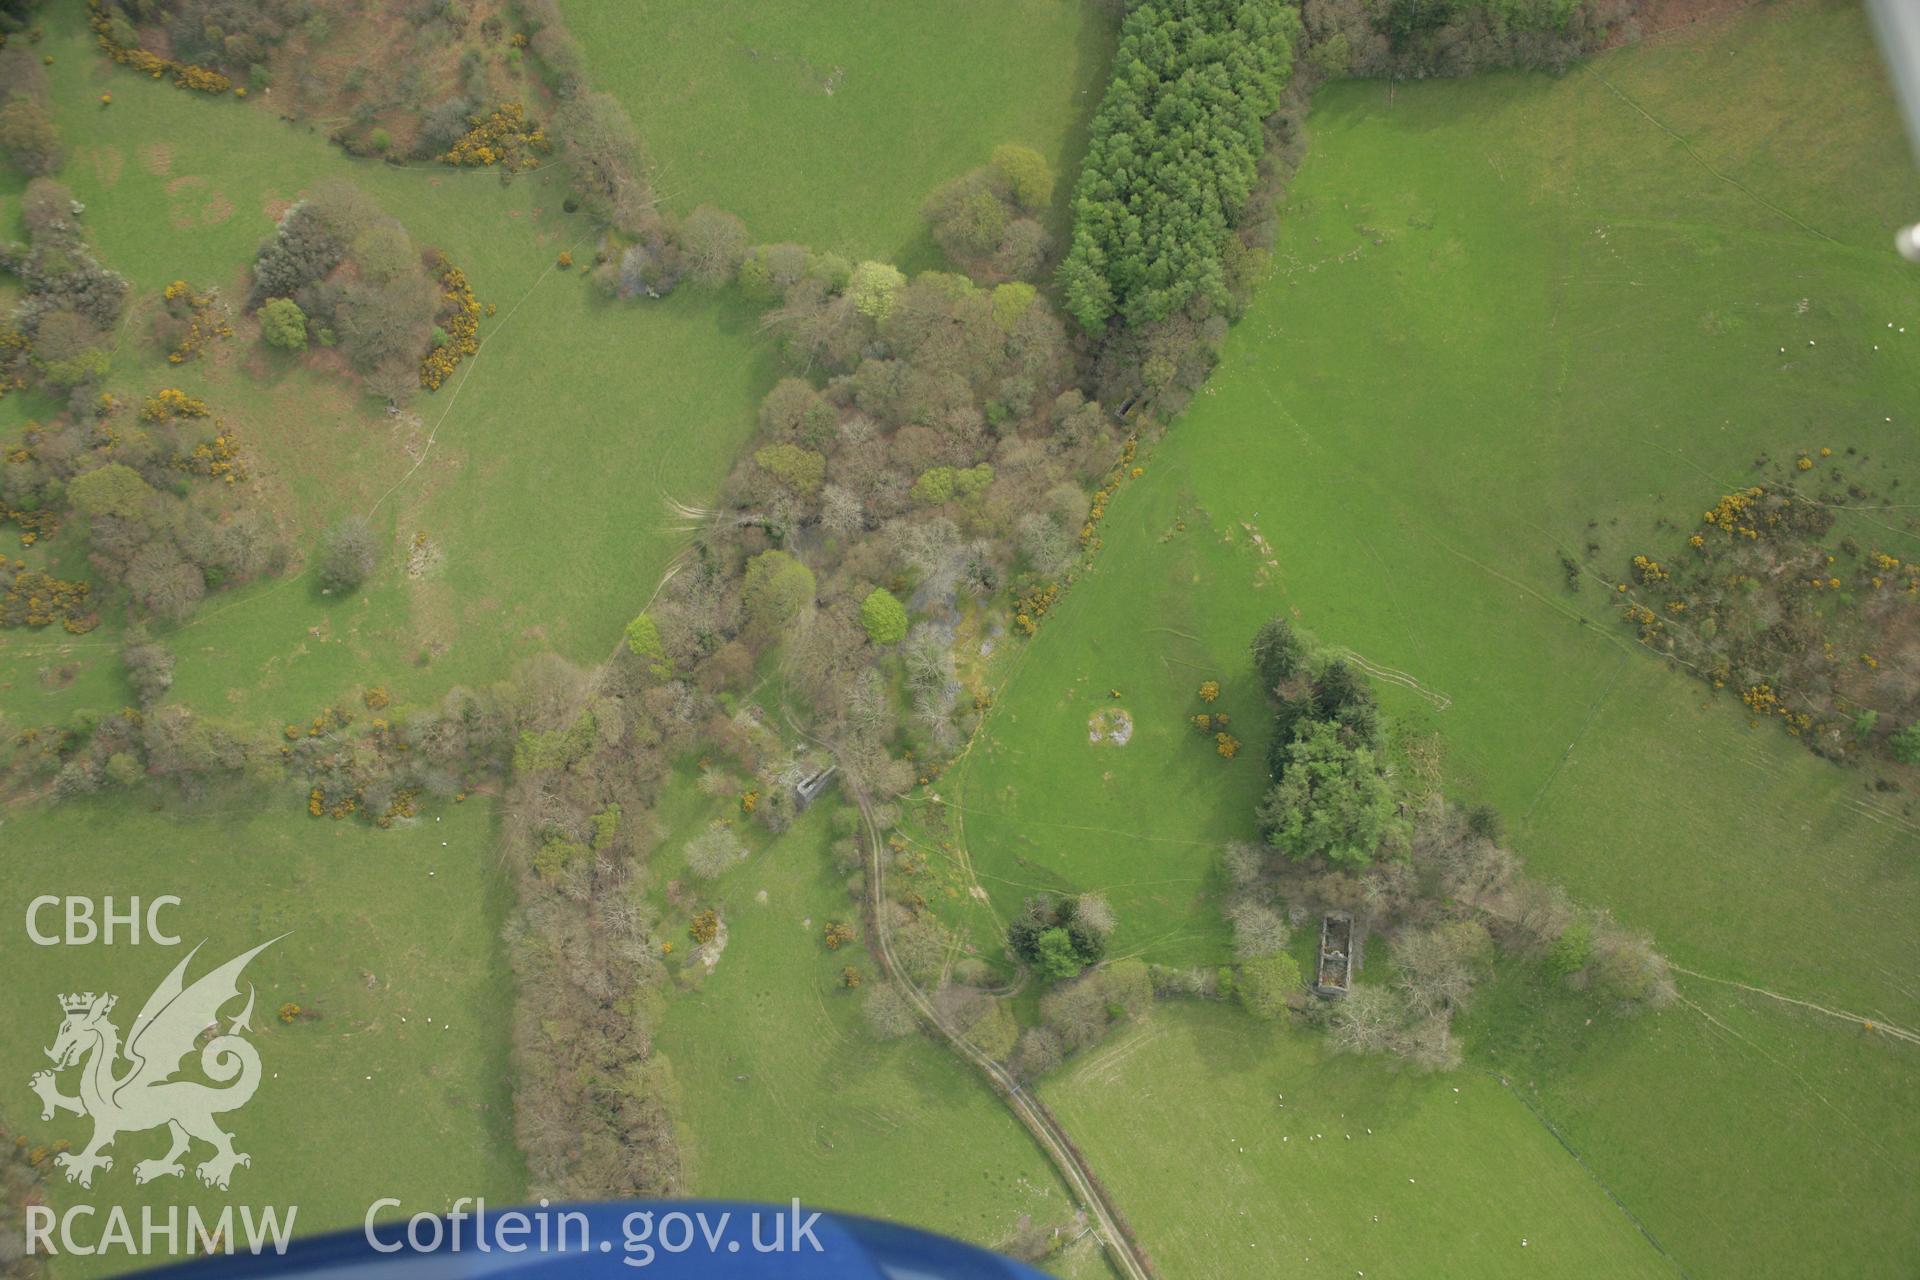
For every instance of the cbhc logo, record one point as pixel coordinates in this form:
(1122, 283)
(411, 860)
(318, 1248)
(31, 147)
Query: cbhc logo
(84, 926)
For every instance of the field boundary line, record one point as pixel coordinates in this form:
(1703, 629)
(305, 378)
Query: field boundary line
(1702, 161)
(1572, 615)
(1870, 1024)
(1593, 712)
(1580, 1160)
(465, 378)
(1406, 621)
(1865, 1133)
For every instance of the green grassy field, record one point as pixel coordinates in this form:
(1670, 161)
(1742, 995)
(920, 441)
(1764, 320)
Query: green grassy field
(829, 123)
(551, 451)
(784, 1092)
(1732, 1125)
(1508, 316)
(1296, 1162)
(391, 941)
(539, 473)
(1511, 315)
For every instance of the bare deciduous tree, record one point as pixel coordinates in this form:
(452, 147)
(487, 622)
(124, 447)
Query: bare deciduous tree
(1368, 1020)
(714, 851)
(887, 1012)
(1258, 930)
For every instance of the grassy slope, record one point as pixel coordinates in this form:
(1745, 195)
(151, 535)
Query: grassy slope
(1455, 1170)
(374, 939)
(601, 404)
(732, 101)
(613, 406)
(1503, 309)
(784, 1092)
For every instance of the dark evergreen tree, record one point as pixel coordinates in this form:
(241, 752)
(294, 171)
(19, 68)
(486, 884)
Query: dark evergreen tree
(1174, 154)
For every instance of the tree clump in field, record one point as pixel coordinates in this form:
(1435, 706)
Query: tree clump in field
(988, 221)
(713, 243)
(347, 555)
(1213, 721)
(1159, 316)
(1331, 797)
(927, 433)
(927, 447)
(201, 36)
(61, 332)
(467, 83)
(1077, 1014)
(503, 135)
(715, 851)
(1812, 624)
(888, 1012)
(129, 480)
(1259, 930)
(1270, 985)
(1343, 834)
(229, 36)
(651, 253)
(34, 598)
(599, 139)
(456, 336)
(978, 1018)
(363, 284)
(28, 135)
(1174, 157)
(1054, 936)
(148, 665)
(1331, 800)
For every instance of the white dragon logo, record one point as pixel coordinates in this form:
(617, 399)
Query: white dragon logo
(146, 1096)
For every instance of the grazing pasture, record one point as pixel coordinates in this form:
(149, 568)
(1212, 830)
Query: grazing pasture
(1293, 1161)
(782, 1090)
(829, 123)
(618, 406)
(1513, 318)
(542, 495)
(399, 1060)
